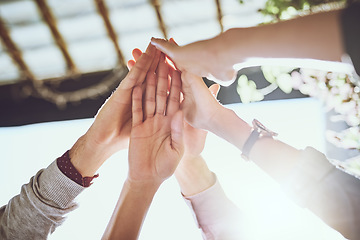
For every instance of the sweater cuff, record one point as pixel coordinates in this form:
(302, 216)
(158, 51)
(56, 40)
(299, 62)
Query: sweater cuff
(313, 166)
(57, 188)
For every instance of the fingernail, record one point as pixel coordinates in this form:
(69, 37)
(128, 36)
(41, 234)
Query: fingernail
(152, 42)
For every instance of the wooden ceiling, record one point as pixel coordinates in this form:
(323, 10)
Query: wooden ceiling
(60, 59)
(47, 39)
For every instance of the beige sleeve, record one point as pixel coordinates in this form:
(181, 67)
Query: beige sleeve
(40, 207)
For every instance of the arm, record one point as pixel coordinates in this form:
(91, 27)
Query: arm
(214, 213)
(316, 36)
(193, 174)
(40, 207)
(155, 150)
(50, 194)
(111, 129)
(306, 175)
(203, 111)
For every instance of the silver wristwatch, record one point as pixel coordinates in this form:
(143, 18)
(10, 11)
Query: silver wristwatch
(259, 131)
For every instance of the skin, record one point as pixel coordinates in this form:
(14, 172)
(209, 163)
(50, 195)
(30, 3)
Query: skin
(110, 131)
(156, 147)
(303, 37)
(192, 173)
(202, 111)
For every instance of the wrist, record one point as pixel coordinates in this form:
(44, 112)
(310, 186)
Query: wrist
(230, 46)
(87, 156)
(229, 126)
(142, 187)
(194, 176)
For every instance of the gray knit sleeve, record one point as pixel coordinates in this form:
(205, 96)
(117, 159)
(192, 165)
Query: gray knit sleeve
(350, 20)
(40, 207)
(330, 193)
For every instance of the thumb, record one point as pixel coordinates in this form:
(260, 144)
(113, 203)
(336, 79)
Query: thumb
(214, 89)
(177, 125)
(173, 41)
(164, 46)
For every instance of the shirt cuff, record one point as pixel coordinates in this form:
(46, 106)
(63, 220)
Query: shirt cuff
(67, 168)
(211, 208)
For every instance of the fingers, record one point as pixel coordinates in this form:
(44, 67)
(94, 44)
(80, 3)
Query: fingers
(173, 41)
(137, 111)
(155, 62)
(164, 46)
(173, 102)
(177, 125)
(130, 64)
(162, 85)
(136, 53)
(139, 70)
(150, 95)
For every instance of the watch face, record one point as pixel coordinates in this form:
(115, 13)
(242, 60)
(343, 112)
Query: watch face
(262, 129)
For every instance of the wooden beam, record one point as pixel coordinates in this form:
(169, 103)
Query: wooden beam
(157, 6)
(50, 20)
(14, 51)
(219, 14)
(103, 10)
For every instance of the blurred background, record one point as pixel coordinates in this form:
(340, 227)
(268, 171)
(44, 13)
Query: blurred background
(60, 60)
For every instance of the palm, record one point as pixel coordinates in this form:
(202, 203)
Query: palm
(194, 140)
(199, 104)
(156, 141)
(112, 125)
(150, 150)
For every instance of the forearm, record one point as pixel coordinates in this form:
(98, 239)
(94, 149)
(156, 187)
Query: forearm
(316, 36)
(130, 211)
(40, 207)
(194, 176)
(274, 157)
(88, 156)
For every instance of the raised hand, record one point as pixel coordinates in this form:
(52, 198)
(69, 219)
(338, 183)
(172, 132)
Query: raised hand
(203, 58)
(199, 104)
(110, 131)
(156, 147)
(156, 142)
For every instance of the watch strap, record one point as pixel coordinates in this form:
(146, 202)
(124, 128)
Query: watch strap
(254, 136)
(259, 131)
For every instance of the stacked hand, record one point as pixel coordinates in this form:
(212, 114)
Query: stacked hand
(156, 142)
(110, 131)
(202, 58)
(198, 104)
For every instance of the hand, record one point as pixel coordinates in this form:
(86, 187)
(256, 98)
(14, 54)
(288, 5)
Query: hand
(194, 139)
(192, 173)
(203, 58)
(113, 122)
(111, 129)
(156, 142)
(199, 104)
